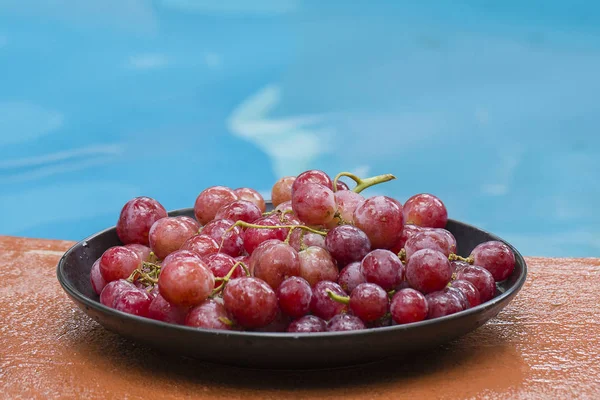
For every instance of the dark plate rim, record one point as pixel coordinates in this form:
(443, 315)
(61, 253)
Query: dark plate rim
(88, 302)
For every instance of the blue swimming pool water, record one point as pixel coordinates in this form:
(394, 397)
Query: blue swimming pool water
(493, 106)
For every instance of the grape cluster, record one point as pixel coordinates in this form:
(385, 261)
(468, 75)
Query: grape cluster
(325, 259)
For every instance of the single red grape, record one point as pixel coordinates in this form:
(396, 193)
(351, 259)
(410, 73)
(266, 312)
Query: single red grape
(350, 277)
(496, 257)
(251, 302)
(112, 289)
(239, 210)
(314, 204)
(312, 176)
(347, 244)
(286, 207)
(456, 265)
(427, 239)
(408, 305)
(258, 251)
(96, 279)
(316, 264)
(181, 254)
(425, 210)
(231, 241)
(142, 251)
(210, 314)
(383, 268)
(369, 302)
(324, 306)
(294, 295)
(428, 271)
(203, 245)
(469, 291)
(347, 201)
(255, 236)
(185, 282)
(441, 303)
(380, 217)
(133, 301)
(301, 237)
(210, 200)
(118, 262)
(459, 295)
(282, 190)
(193, 224)
(481, 278)
(345, 322)
(252, 196)
(407, 232)
(449, 237)
(340, 185)
(136, 218)
(308, 324)
(169, 234)
(220, 264)
(276, 263)
(162, 310)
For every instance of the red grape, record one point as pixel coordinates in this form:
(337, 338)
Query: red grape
(449, 237)
(481, 278)
(133, 301)
(239, 210)
(380, 217)
(459, 295)
(425, 210)
(428, 271)
(351, 276)
(383, 268)
(202, 245)
(255, 236)
(408, 305)
(253, 258)
(169, 234)
(96, 279)
(252, 196)
(294, 295)
(162, 310)
(314, 204)
(286, 207)
(210, 314)
(282, 190)
(142, 251)
(316, 264)
(181, 254)
(220, 264)
(369, 302)
(441, 303)
(407, 232)
(345, 322)
(312, 176)
(251, 302)
(347, 201)
(210, 200)
(427, 239)
(308, 324)
(324, 306)
(112, 289)
(231, 241)
(301, 237)
(496, 257)
(347, 244)
(118, 262)
(185, 282)
(469, 291)
(340, 185)
(136, 218)
(276, 263)
(195, 225)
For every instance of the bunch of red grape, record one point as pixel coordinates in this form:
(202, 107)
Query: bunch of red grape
(325, 259)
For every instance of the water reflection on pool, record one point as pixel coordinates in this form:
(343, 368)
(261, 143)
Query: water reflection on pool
(492, 108)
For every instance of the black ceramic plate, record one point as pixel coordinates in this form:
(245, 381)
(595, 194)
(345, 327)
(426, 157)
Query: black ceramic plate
(282, 350)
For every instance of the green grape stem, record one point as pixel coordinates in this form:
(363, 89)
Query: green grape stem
(249, 225)
(227, 277)
(337, 297)
(362, 184)
(456, 257)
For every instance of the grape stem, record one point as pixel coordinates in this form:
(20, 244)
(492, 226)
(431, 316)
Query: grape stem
(226, 321)
(248, 225)
(337, 297)
(456, 257)
(362, 184)
(402, 255)
(149, 278)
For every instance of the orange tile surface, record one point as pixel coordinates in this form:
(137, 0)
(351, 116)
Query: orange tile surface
(544, 345)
